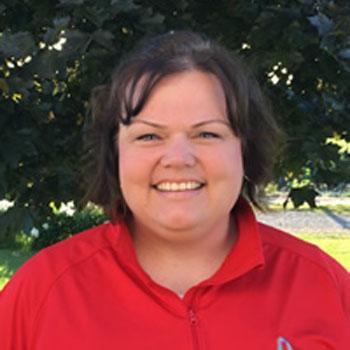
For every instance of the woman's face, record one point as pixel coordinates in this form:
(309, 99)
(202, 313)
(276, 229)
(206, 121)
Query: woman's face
(180, 164)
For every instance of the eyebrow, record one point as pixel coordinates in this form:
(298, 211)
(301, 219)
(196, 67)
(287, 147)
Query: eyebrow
(197, 125)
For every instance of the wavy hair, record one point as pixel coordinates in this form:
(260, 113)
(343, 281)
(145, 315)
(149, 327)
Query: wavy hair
(116, 103)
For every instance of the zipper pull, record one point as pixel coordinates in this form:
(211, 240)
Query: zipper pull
(192, 317)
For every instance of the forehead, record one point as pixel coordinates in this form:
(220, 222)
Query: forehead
(191, 94)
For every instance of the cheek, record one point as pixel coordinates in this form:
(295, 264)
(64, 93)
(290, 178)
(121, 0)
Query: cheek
(228, 161)
(122, 163)
(134, 167)
(127, 169)
(237, 161)
(236, 167)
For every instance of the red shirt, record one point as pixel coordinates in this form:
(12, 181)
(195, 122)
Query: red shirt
(273, 291)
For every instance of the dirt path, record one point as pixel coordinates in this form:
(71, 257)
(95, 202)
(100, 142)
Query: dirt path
(306, 221)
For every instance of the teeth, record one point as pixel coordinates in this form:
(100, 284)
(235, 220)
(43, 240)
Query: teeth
(178, 186)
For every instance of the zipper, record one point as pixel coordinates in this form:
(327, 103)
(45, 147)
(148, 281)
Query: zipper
(194, 329)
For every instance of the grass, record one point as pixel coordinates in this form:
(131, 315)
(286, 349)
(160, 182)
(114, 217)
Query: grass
(10, 261)
(341, 209)
(338, 247)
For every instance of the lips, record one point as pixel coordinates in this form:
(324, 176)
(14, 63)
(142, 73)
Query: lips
(178, 186)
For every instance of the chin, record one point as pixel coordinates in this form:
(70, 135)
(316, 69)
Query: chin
(179, 223)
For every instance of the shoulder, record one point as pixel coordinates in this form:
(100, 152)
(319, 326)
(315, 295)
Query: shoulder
(276, 241)
(52, 261)
(313, 287)
(28, 290)
(37, 276)
(299, 258)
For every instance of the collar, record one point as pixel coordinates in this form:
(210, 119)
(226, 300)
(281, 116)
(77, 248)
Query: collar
(245, 255)
(247, 252)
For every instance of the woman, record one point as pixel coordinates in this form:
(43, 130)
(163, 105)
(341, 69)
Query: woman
(179, 138)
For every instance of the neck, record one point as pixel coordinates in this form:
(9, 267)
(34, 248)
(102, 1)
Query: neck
(166, 256)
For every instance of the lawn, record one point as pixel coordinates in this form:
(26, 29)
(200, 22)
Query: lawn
(338, 247)
(10, 261)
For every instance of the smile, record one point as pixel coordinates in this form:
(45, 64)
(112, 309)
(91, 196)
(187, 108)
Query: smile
(178, 186)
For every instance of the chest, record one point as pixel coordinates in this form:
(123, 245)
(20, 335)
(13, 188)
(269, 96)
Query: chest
(235, 316)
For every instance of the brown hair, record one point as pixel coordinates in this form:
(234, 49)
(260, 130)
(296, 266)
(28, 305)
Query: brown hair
(114, 103)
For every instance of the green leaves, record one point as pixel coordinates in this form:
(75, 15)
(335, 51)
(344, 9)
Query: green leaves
(77, 43)
(4, 86)
(2, 8)
(124, 5)
(14, 220)
(322, 23)
(104, 38)
(46, 65)
(17, 45)
(71, 2)
(345, 53)
(61, 22)
(53, 53)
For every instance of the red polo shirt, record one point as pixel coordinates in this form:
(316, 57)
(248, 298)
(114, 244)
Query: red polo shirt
(88, 292)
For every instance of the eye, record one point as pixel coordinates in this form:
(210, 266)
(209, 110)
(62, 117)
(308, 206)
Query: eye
(208, 135)
(147, 137)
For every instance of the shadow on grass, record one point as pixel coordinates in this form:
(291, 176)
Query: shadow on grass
(342, 221)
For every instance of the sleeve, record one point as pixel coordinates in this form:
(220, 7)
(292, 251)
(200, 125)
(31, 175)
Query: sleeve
(19, 302)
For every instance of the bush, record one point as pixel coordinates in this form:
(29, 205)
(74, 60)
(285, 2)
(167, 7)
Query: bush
(62, 225)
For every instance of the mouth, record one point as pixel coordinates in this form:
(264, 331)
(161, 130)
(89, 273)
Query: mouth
(168, 186)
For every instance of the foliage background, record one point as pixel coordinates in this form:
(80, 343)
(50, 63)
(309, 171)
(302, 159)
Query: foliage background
(53, 52)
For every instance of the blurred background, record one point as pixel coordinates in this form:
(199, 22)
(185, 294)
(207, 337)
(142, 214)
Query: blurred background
(53, 52)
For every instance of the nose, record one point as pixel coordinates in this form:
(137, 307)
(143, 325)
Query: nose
(178, 153)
